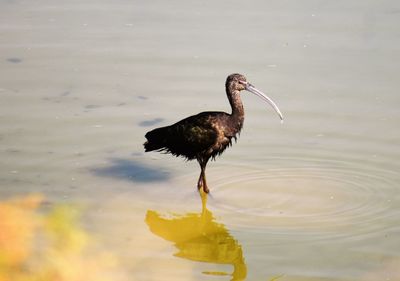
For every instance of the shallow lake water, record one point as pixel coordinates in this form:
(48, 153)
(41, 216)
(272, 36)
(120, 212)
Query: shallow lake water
(314, 198)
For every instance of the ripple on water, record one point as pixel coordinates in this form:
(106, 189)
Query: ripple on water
(329, 200)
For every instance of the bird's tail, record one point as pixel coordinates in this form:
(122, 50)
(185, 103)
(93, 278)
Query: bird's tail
(156, 139)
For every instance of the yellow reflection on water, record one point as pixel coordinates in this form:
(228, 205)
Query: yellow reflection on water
(47, 244)
(199, 237)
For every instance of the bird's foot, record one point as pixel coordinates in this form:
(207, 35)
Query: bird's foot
(202, 187)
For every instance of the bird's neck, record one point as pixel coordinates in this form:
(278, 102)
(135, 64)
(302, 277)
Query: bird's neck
(237, 115)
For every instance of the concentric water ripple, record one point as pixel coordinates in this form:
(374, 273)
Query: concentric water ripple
(320, 199)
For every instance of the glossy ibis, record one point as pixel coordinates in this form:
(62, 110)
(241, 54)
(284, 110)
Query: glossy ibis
(207, 134)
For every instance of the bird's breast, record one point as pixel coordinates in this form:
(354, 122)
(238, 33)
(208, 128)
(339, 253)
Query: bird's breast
(223, 139)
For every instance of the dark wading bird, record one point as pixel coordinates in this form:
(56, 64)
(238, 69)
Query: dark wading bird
(207, 134)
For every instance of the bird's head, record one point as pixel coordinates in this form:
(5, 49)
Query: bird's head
(237, 82)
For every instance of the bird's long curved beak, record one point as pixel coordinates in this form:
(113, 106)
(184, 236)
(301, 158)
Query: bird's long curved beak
(257, 92)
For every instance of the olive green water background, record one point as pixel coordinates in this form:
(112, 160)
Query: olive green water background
(314, 198)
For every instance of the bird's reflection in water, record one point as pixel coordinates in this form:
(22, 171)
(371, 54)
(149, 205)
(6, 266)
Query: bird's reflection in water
(199, 237)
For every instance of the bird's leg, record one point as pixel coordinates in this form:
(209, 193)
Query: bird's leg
(202, 184)
(205, 187)
(200, 181)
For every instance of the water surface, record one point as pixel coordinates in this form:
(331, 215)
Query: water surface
(314, 198)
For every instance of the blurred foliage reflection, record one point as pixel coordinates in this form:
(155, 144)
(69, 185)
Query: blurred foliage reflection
(47, 245)
(199, 237)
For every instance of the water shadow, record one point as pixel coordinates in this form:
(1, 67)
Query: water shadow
(14, 60)
(198, 237)
(92, 106)
(64, 94)
(130, 170)
(148, 123)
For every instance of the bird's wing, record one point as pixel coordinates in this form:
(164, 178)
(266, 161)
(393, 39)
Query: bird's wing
(191, 136)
